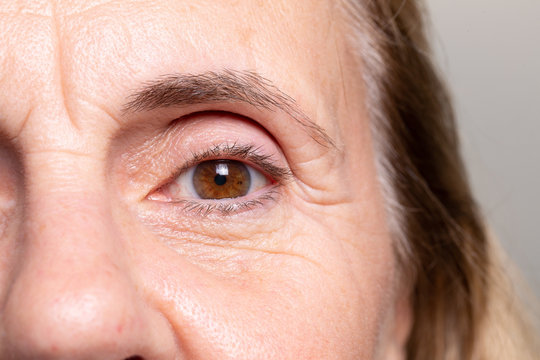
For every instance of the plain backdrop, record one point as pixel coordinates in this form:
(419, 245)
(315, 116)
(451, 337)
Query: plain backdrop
(489, 52)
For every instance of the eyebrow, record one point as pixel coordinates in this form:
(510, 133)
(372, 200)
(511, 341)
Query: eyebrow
(248, 87)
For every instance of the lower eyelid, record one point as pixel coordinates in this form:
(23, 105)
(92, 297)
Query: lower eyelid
(226, 207)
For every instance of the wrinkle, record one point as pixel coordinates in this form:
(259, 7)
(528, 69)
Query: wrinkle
(60, 151)
(103, 108)
(47, 9)
(233, 246)
(342, 74)
(41, 8)
(24, 14)
(60, 61)
(23, 125)
(85, 9)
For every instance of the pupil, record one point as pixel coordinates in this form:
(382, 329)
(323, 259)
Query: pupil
(220, 179)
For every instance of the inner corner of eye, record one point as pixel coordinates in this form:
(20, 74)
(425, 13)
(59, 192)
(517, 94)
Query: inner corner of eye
(157, 195)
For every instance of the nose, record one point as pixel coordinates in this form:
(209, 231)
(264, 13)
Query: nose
(71, 293)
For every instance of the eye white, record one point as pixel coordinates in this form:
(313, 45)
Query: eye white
(258, 180)
(184, 184)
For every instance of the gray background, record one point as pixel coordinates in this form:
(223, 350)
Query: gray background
(489, 51)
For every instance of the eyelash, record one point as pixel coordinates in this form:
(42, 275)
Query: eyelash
(229, 208)
(248, 154)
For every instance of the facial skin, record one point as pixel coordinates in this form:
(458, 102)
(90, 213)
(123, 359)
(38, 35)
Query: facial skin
(101, 257)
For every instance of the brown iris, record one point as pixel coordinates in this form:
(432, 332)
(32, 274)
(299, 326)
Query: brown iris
(221, 179)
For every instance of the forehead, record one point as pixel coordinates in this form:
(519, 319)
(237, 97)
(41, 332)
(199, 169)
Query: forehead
(93, 51)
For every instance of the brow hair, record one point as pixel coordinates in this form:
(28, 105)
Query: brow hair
(178, 90)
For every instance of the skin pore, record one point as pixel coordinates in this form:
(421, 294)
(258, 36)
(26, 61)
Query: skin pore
(99, 260)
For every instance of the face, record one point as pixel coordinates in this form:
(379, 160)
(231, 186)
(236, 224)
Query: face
(189, 180)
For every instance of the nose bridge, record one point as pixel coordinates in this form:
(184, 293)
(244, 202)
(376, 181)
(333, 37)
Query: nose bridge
(66, 213)
(69, 227)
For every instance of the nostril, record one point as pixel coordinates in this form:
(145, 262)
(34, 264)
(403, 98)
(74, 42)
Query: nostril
(135, 357)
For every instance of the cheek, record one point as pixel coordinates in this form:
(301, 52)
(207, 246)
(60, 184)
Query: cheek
(347, 291)
(318, 297)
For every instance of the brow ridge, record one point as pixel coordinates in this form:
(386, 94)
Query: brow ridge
(179, 90)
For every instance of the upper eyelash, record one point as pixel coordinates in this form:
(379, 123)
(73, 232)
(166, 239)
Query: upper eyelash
(234, 151)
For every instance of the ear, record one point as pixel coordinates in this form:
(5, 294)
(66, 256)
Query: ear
(398, 329)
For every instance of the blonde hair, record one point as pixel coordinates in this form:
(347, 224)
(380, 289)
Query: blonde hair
(463, 304)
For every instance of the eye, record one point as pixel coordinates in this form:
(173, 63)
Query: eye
(225, 179)
(215, 180)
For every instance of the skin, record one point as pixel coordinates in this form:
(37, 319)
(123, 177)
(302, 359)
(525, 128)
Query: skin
(95, 262)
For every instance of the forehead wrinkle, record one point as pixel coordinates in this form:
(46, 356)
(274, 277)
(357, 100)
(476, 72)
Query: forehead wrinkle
(26, 53)
(83, 7)
(65, 78)
(40, 8)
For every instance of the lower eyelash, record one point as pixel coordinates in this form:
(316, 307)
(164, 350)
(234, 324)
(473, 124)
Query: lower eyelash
(229, 208)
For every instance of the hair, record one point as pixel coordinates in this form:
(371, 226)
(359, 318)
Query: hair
(463, 304)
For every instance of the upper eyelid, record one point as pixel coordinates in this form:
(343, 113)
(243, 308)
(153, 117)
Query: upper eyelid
(234, 150)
